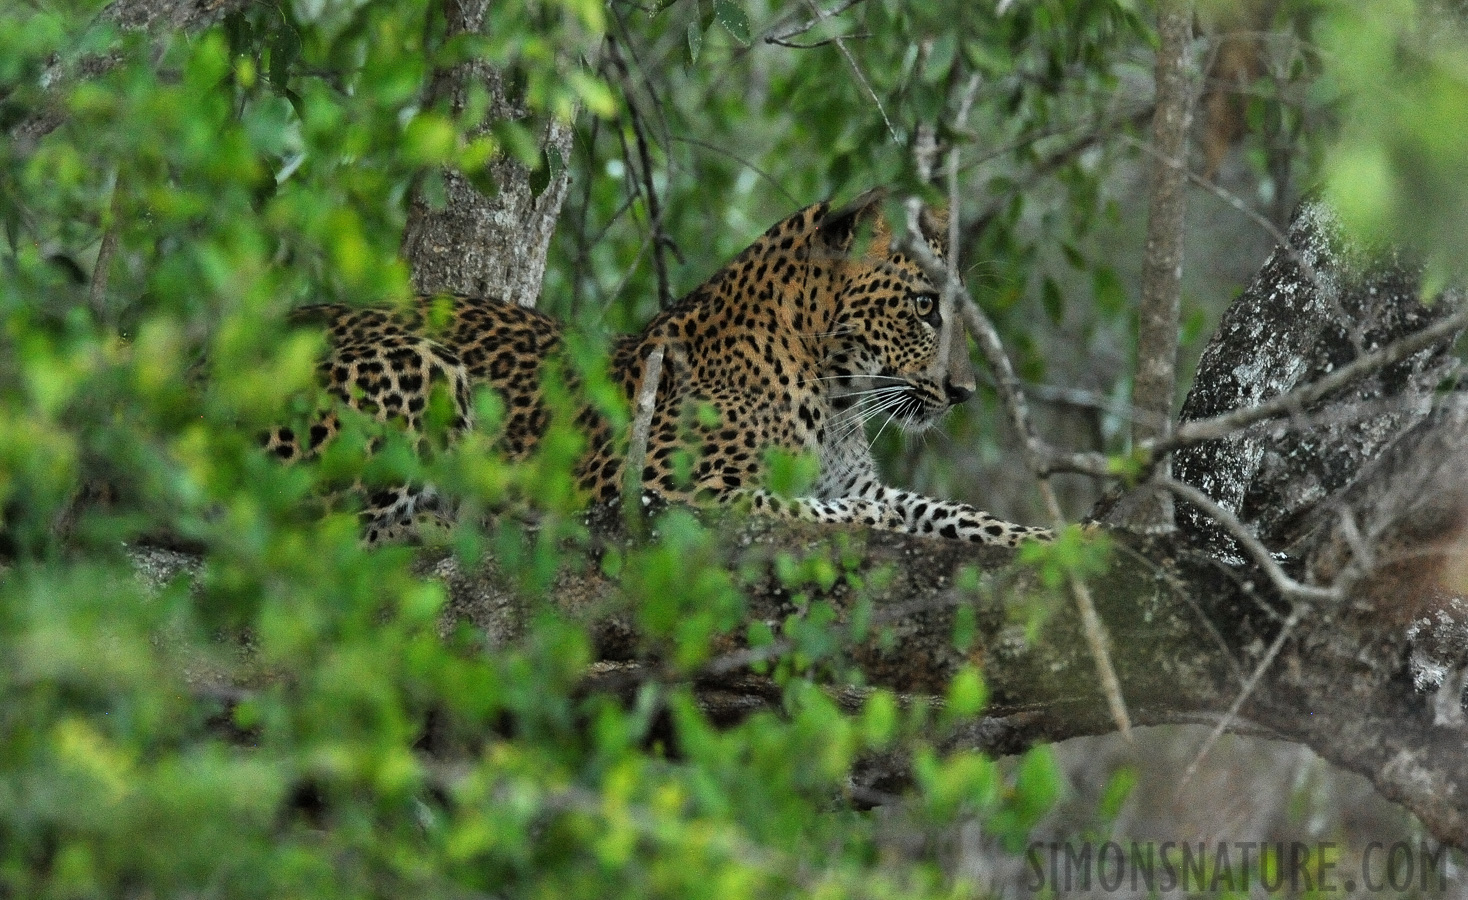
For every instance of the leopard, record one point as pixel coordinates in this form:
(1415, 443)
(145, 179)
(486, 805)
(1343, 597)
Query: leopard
(819, 326)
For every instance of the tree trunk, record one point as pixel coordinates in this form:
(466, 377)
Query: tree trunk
(1162, 266)
(477, 244)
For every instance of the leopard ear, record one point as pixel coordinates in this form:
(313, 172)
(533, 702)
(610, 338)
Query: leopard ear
(839, 228)
(934, 223)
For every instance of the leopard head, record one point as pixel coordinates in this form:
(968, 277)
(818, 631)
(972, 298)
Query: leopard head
(893, 348)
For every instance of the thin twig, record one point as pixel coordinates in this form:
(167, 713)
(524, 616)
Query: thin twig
(1223, 425)
(660, 239)
(583, 213)
(1082, 399)
(1180, 591)
(1327, 292)
(626, 276)
(861, 35)
(650, 85)
(647, 393)
(860, 76)
(1299, 420)
(1007, 384)
(1287, 586)
(774, 182)
(1054, 161)
(1035, 453)
(820, 16)
(1042, 461)
(1297, 613)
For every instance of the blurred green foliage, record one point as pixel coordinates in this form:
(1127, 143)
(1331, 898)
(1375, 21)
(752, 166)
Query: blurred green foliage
(259, 728)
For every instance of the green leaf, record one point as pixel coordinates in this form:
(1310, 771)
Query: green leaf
(731, 15)
(1118, 789)
(1052, 300)
(940, 58)
(1037, 785)
(695, 43)
(551, 165)
(967, 694)
(593, 92)
(1110, 294)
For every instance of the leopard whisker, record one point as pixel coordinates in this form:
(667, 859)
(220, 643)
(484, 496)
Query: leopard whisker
(873, 442)
(867, 400)
(864, 413)
(878, 391)
(804, 381)
(835, 333)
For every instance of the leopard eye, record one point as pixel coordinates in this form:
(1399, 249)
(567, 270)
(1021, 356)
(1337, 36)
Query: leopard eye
(926, 306)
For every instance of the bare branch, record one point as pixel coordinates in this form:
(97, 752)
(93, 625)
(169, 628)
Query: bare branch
(779, 37)
(1326, 290)
(661, 241)
(1229, 716)
(1287, 586)
(162, 17)
(647, 393)
(1090, 137)
(862, 35)
(860, 76)
(743, 161)
(1041, 458)
(1096, 637)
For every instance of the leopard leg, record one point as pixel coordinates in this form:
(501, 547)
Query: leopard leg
(954, 520)
(891, 509)
(400, 514)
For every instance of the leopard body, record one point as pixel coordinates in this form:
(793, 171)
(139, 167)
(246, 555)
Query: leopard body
(817, 327)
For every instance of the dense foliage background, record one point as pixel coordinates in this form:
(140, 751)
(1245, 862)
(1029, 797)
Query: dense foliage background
(290, 721)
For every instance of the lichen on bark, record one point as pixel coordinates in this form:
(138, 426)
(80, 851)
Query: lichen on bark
(1313, 307)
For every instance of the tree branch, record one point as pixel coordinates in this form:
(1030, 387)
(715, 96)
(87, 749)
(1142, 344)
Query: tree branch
(661, 242)
(161, 17)
(1292, 402)
(785, 34)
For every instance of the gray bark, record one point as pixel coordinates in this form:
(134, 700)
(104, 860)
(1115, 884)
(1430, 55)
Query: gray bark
(1313, 307)
(486, 245)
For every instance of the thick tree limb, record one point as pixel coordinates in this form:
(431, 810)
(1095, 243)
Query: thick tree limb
(1339, 683)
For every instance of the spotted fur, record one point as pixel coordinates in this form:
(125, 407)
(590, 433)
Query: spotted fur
(795, 345)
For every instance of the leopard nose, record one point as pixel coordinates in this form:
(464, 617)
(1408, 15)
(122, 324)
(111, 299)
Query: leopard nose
(957, 393)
